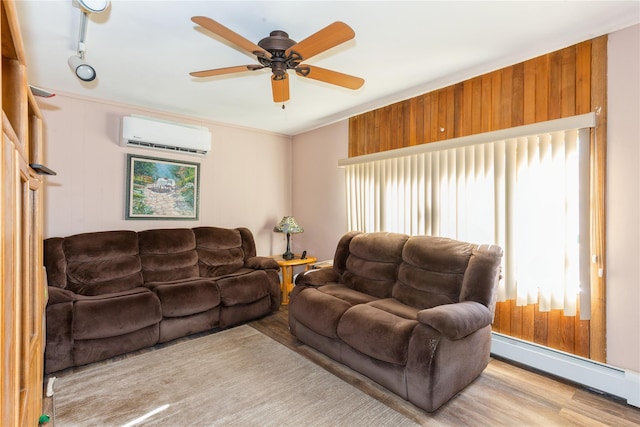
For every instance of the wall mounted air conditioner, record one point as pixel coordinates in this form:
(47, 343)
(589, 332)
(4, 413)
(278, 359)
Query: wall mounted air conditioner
(146, 132)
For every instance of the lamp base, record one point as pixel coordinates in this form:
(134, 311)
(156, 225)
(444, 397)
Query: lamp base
(288, 254)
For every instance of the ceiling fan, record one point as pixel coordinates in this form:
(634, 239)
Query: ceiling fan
(281, 54)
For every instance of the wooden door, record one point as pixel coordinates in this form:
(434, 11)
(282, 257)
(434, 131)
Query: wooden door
(22, 291)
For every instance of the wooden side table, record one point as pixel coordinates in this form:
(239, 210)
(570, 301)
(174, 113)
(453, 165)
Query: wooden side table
(286, 266)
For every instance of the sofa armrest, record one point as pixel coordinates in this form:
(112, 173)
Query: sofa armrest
(456, 321)
(59, 295)
(317, 277)
(262, 263)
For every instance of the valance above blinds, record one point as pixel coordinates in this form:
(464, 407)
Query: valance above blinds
(525, 189)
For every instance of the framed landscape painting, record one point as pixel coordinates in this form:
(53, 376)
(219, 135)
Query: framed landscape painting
(162, 189)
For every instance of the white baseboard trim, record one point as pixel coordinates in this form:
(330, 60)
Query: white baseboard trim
(617, 382)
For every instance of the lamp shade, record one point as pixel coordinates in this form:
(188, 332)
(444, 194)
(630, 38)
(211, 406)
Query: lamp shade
(288, 225)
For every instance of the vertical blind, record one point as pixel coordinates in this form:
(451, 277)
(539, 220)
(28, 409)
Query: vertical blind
(528, 193)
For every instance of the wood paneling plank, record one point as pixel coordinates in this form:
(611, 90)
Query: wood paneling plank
(506, 97)
(487, 106)
(467, 108)
(555, 85)
(496, 99)
(449, 126)
(542, 88)
(517, 95)
(583, 77)
(476, 106)
(568, 82)
(457, 114)
(529, 93)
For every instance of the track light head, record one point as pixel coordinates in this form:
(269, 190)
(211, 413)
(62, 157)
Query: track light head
(84, 71)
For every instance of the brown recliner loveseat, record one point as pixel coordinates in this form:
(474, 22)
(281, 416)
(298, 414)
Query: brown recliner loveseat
(114, 292)
(412, 313)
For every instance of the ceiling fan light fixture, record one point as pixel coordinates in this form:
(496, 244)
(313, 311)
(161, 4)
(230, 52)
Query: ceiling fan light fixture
(82, 70)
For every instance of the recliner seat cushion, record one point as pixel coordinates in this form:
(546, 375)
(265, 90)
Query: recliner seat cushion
(393, 306)
(319, 311)
(377, 333)
(349, 295)
(243, 289)
(114, 315)
(186, 297)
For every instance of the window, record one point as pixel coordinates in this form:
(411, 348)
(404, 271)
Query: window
(525, 189)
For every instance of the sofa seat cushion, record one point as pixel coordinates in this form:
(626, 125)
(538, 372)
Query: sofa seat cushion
(243, 288)
(319, 311)
(377, 333)
(186, 297)
(347, 294)
(394, 306)
(104, 316)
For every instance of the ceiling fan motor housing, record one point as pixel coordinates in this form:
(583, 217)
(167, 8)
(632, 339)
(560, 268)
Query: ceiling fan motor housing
(276, 44)
(277, 41)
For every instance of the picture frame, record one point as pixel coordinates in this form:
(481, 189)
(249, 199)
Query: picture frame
(162, 188)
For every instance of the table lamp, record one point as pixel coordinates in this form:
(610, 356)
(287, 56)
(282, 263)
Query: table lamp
(288, 225)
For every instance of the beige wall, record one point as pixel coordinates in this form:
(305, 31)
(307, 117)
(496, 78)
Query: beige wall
(244, 179)
(623, 200)
(320, 203)
(318, 189)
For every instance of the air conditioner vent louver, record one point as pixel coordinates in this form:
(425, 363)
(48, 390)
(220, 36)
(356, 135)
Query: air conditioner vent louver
(145, 132)
(156, 146)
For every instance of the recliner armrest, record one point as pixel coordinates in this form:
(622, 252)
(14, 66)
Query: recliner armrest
(262, 263)
(456, 321)
(317, 277)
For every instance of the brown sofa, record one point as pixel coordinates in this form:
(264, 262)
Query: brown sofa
(118, 291)
(412, 313)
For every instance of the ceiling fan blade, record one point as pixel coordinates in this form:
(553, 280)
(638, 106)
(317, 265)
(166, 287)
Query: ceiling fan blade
(221, 71)
(280, 89)
(227, 34)
(329, 76)
(328, 37)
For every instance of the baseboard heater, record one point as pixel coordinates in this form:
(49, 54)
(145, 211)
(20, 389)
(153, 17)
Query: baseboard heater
(601, 377)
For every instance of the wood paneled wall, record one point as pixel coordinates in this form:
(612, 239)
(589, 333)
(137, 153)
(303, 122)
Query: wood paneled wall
(560, 84)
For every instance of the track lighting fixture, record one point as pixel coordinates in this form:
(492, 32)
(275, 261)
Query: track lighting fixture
(92, 6)
(79, 66)
(84, 71)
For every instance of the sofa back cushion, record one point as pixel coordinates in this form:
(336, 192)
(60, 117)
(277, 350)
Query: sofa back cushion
(220, 250)
(55, 262)
(102, 262)
(168, 254)
(372, 263)
(432, 271)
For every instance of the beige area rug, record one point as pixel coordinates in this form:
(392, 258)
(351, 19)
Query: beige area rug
(237, 377)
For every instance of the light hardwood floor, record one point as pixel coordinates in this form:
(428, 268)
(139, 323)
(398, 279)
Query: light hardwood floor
(504, 395)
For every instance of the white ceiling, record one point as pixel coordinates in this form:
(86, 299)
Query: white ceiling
(143, 51)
